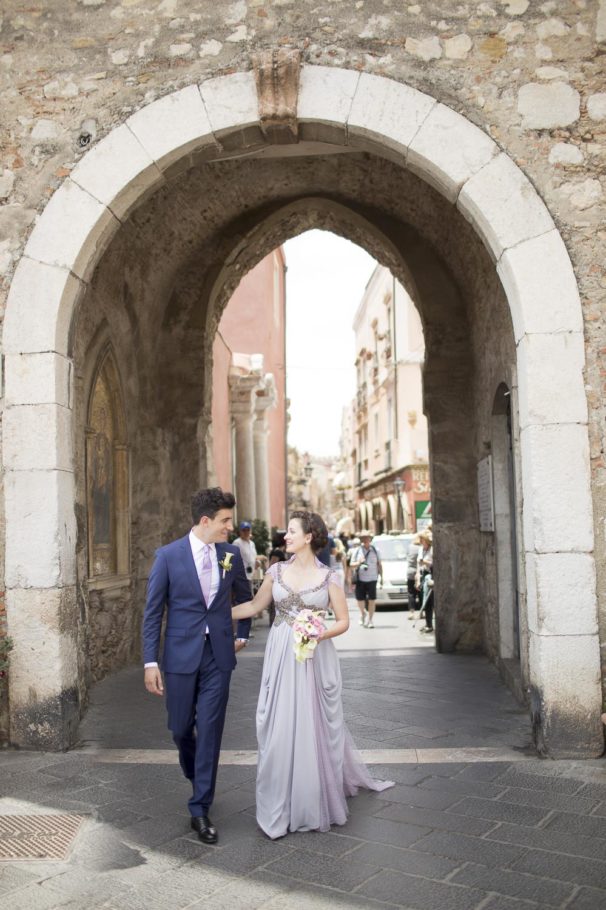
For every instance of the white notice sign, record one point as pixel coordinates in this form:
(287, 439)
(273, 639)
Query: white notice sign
(485, 494)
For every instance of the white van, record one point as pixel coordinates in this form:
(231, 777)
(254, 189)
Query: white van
(393, 550)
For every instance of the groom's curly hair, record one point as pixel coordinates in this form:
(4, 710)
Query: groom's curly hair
(209, 502)
(313, 524)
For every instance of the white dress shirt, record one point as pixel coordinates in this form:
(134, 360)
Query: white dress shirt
(197, 549)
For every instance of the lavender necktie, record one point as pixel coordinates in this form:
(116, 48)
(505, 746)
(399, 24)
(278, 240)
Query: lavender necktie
(206, 575)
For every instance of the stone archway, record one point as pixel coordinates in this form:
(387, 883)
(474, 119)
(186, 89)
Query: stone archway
(338, 111)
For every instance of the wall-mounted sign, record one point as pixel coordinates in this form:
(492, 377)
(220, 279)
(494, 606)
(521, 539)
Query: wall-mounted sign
(422, 514)
(485, 494)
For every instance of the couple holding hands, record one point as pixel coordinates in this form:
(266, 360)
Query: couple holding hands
(307, 764)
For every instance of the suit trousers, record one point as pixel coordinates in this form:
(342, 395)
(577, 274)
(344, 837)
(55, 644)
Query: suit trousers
(196, 704)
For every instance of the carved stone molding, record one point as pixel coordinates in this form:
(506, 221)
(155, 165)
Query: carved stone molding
(277, 78)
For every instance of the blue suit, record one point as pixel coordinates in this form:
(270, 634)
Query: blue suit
(197, 667)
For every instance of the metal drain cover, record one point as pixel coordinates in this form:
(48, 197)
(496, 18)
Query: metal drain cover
(37, 836)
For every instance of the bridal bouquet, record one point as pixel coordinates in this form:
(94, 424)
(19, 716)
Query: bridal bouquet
(307, 628)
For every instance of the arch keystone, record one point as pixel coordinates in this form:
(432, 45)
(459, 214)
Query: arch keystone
(277, 80)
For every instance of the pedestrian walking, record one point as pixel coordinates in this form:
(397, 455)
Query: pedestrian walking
(366, 563)
(411, 576)
(248, 550)
(194, 581)
(307, 765)
(424, 579)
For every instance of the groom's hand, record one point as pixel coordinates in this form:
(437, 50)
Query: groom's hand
(153, 681)
(239, 644)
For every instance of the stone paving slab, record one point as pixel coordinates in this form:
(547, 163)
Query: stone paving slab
(475, 820)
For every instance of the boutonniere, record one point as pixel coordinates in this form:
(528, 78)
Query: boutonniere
(225, 563)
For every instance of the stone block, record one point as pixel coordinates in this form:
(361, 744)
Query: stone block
(550, 379)
(173, 126)
(561, 594)
(565, 683)
(556, 489)
(503, 206)
(37, 437)
(504, 881)
(44, 659)
(230, 101)
(566, 154)
(596, 106)
(73, 231)
(37, 379)
(468, 849)
(387, 111)
(541, 286)
(41, 529)
(326, 94)
(39, 309)
(118, 172)
(546, 107)
(448, 150)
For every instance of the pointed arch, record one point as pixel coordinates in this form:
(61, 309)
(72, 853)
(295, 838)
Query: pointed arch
(107, 474)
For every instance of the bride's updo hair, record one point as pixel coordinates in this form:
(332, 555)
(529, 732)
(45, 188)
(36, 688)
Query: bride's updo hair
(313, 524)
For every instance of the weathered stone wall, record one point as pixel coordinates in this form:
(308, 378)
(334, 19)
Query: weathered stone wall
(527, 73)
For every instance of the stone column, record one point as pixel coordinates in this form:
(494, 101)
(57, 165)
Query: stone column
(265, 398)
(242, 399)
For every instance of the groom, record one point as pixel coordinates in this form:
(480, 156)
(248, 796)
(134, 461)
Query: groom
(197, 578)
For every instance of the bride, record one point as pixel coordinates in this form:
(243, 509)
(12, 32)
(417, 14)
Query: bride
(307, 764)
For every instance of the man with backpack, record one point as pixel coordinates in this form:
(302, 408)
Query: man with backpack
(366, 563)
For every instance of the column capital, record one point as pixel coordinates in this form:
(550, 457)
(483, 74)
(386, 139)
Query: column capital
(266, 396)
(241, 393)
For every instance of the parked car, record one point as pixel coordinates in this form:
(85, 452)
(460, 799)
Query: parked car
(393, 550)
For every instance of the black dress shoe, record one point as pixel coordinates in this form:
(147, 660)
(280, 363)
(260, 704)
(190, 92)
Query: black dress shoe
(205, 829)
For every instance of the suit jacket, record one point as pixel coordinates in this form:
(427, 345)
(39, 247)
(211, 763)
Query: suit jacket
(174, 584)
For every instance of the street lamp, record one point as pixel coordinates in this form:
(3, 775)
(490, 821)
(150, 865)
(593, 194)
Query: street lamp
(397, 485)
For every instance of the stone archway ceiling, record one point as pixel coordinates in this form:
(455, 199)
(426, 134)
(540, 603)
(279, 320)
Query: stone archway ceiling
(174, 191)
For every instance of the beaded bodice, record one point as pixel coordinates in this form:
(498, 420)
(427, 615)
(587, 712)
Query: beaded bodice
(289, 603)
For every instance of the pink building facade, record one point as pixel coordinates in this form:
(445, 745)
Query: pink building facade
(247, 444)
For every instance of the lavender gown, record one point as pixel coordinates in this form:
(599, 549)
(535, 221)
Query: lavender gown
(307, 763)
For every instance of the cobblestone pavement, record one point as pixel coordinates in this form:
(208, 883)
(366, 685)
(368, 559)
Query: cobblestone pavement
(475, 821)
